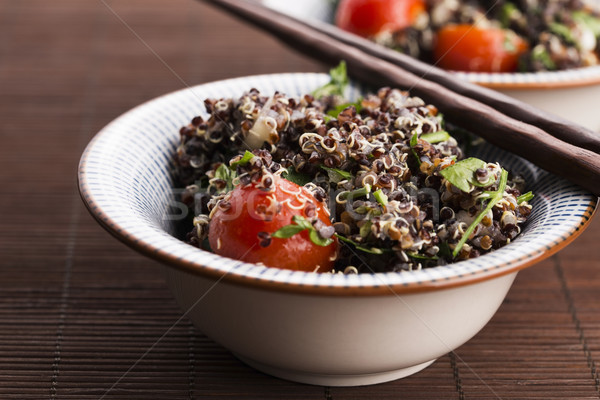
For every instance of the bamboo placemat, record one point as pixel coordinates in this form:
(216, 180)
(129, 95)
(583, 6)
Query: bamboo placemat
(84, 317)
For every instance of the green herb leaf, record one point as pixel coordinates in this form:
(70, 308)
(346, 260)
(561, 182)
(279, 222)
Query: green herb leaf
(365, 229)
(435, 137)
(370, 250)
(336, 175)
(417, 256)
(318, 239)
(334, 112)
(337, 85)
(507, 13)
(541, 55)
(226, 174)
(525, 197)
(588, 20)
(301, 221)
(243, 161)
(299, 224)
(286, 232)
(496, 197)
(414, 140)
(462, 174)
(297, 177)
(562, 31)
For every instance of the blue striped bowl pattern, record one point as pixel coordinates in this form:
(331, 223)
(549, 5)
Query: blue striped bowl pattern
(125, 180)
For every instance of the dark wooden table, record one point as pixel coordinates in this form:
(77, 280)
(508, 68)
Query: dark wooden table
(84, 317)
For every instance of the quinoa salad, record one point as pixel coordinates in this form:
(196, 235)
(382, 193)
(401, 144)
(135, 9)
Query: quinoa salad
(381, 183)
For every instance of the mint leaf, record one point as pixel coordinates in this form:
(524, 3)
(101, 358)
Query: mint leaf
(462, 174)
(337, 85)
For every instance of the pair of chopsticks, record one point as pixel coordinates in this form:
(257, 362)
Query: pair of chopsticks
(554, 144)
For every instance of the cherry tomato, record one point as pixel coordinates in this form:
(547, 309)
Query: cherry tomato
(469, 48)
(241, 226)
(370, 17)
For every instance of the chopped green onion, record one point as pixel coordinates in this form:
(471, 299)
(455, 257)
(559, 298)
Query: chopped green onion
(525, 197)
(380, 197)
(417, 256)
(435, 137)
(495, 197)
(243, 161)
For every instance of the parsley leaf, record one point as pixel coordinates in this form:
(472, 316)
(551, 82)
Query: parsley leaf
(336, 175)
(462, 174)
(337, 85)
(226, 174)
(298, 225)
(298, 178)
(334, 112)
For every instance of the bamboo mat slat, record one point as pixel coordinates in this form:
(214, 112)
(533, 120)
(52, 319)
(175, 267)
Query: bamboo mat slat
(84, 317)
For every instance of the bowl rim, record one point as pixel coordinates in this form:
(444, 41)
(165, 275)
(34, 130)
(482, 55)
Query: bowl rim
(254, 276)
(563, 79)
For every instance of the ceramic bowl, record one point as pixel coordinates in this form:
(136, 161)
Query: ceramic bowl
(325, 329)
(571, 94)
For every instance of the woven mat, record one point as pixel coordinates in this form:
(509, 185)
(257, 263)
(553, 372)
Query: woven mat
(84, 317)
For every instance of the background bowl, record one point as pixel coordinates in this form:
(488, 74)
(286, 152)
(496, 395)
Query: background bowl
(315, 328)
(571, 94)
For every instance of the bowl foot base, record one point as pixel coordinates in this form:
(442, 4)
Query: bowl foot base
(334, 379)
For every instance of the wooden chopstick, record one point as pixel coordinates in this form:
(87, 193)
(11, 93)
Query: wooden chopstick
(577, 164)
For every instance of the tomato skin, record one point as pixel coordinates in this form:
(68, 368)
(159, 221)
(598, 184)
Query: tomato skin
(370, 17)
(236, 232)
(468, 48)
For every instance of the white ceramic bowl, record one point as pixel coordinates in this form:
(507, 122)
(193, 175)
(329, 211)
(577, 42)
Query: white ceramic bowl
(572, 94)
(316, 328)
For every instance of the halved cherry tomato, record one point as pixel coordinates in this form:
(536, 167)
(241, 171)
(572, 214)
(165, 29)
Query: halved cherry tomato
(241, 227)
(470, 48)
(370, 17)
